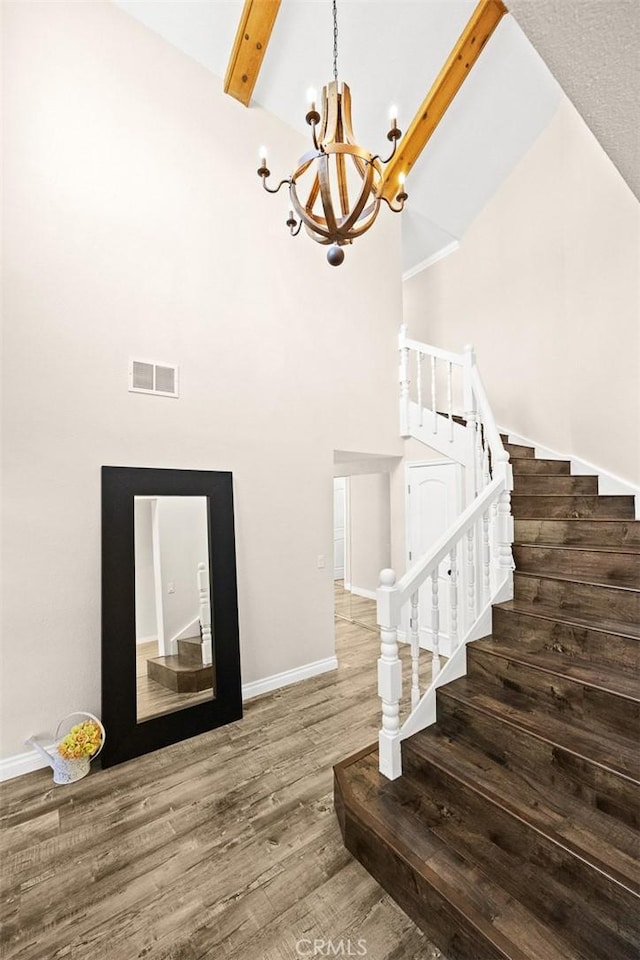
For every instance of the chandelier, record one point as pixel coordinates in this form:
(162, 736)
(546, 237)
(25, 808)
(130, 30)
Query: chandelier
(343, 181)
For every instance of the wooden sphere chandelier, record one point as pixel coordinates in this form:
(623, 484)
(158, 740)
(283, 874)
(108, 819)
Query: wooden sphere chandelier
(344, 181)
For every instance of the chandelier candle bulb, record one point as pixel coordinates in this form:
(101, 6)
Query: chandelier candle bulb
(311, 98)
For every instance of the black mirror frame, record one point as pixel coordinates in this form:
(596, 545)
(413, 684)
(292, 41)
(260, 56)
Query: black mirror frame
(126, 738)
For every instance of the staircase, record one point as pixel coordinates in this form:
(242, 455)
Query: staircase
(513, 829)
(183, 672)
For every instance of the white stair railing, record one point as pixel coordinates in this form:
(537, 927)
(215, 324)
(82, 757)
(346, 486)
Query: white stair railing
(477, 548)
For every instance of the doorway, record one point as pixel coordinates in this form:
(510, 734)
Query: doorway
(362, 544)
(434, 501)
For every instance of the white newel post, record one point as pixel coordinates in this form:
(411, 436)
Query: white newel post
(389, 678)
(205, 614)
(404, 381)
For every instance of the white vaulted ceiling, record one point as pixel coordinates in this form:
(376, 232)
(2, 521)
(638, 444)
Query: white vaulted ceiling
(390, 51)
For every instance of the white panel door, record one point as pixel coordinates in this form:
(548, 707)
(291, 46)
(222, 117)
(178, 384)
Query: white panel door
(434, 500)
(339, 527)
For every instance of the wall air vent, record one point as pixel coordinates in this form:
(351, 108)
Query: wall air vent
(151, 376)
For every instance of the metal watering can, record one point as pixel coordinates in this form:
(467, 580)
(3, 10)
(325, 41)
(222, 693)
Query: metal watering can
(68, 770)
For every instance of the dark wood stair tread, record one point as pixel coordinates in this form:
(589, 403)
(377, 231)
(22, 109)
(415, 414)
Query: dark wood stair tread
(580, 832)
(559, 506)
(578, 578)
(633, 549)
(617, 532)
(496, 921)
(612, 752)
(599, 676)
(548, 612)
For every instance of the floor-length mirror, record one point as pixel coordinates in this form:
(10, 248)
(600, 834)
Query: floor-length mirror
(170, 642)
(174, 664)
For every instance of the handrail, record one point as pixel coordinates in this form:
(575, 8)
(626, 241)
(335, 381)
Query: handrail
(486, 414)
(437, 352)
(421, 569)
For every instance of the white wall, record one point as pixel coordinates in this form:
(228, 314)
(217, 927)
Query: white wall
(182, 532)
(370, 530)
(136, 226)
(546, 284)
(146, 619)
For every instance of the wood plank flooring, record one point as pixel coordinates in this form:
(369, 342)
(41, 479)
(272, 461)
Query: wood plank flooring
(224, 846)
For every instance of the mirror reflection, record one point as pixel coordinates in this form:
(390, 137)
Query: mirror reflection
(174, 661)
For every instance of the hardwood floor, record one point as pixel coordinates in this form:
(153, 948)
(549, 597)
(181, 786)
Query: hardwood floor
(224, 846)
(352, 607)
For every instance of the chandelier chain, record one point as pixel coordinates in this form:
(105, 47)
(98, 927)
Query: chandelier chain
(335, 40)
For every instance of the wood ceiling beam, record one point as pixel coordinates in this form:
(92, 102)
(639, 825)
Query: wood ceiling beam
(485, 18)
(249, 48)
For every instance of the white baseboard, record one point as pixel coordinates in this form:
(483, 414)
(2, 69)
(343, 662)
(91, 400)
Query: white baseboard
(363, 592)
(140, 640)
(608, 483)
(22, 763)
(309, 670)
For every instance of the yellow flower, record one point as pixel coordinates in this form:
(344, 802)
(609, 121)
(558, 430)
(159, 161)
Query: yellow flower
(83, 740)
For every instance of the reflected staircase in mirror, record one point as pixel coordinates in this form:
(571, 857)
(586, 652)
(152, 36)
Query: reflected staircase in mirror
(183, 672)
(510, 827)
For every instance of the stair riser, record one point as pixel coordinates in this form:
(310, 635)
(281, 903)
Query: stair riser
(605, 533)
(582, 599)
(535, 634)
(616, 568)
(181, 682)
(446, 926)
(516, 450)
(575, 486)
(555, 695)
(527, 467)
(543, 761)
(190, 652)
(510, 851)
(548, 507)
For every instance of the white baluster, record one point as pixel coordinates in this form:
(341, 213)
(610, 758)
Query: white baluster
(419, 375)
(478, 455)
(415, 651)
(486, 473)
(205, 614)
(389, 679)
(504, 520)
(404, 382)
(470, 417)
(433, 394)
(453, 596)
(486, 558)
(435, 626)
(505, 532)
(450, 399)
(471, 577)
